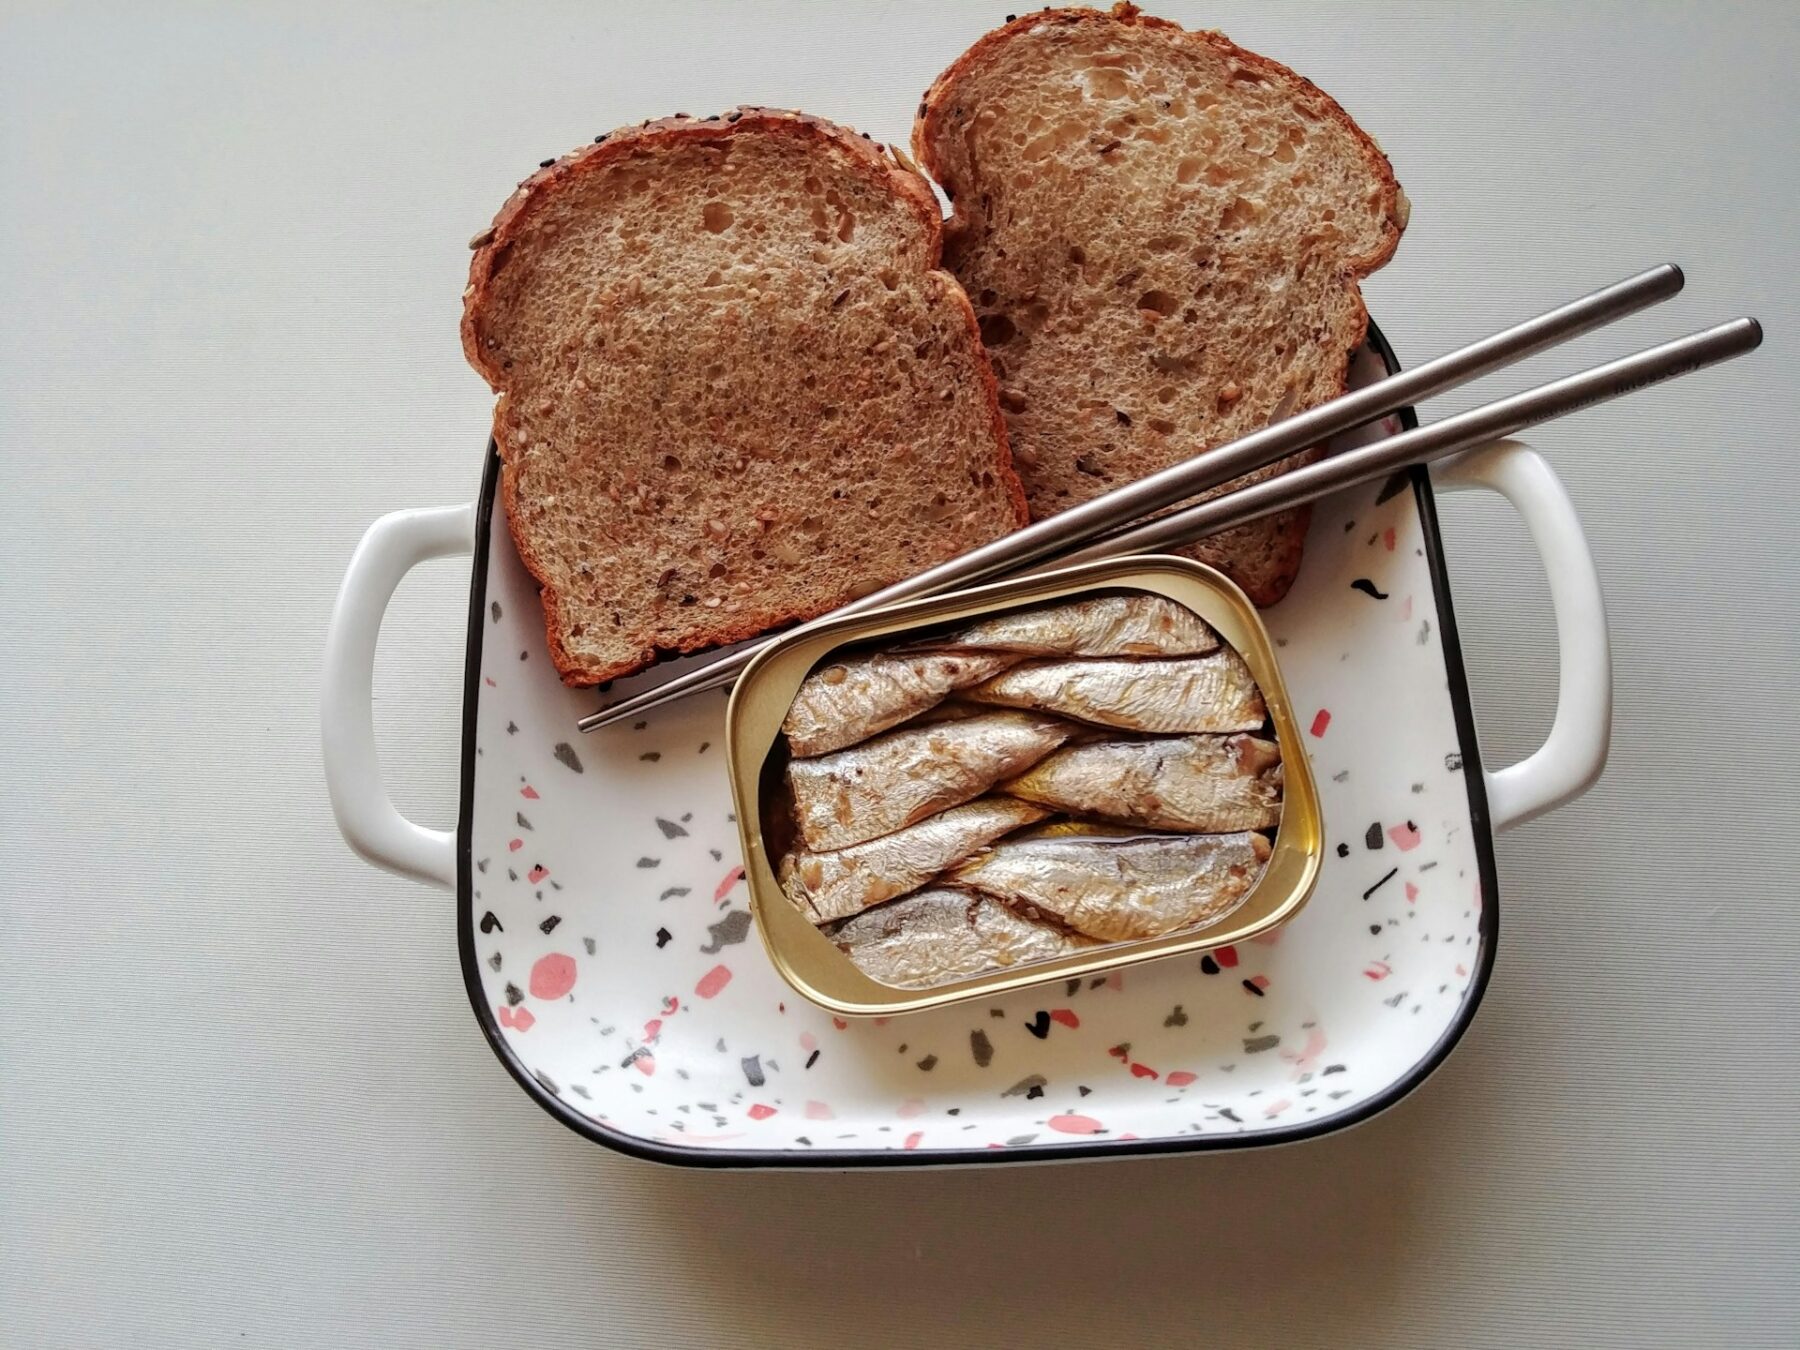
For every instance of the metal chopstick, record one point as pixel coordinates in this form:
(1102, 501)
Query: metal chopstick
(1128, 504)
(1464, 431)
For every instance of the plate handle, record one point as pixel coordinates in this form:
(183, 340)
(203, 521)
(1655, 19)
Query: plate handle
(370, 822)
(1574, 753)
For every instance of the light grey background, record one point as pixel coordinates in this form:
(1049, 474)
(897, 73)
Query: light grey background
(242, 1099)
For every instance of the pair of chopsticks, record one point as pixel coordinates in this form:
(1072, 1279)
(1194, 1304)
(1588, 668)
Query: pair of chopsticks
(1114, 525)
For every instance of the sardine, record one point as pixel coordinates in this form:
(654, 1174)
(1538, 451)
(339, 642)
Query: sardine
(1116, 889)
(1102, 627)
(1209, 783)
(828, 886)
(1107, 625)
(940, 935)
(902, 776)
(850, 701)
(1190, 694)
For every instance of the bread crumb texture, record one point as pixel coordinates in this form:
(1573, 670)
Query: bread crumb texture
(1162, 234)
(736, 390)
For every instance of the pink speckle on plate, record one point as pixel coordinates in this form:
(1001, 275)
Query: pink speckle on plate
(552, 976)
(1073, 1124)
(1306, 1058)
(713, 981)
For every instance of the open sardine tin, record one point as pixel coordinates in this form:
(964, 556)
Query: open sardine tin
(811, 961)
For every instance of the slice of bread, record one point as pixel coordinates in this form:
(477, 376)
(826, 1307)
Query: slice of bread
(1163, 234)
(736, 390)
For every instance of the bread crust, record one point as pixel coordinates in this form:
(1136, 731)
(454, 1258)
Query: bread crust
(869, 158)
(927, 126)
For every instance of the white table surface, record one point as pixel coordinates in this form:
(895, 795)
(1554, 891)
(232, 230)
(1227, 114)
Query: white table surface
(242, 1098)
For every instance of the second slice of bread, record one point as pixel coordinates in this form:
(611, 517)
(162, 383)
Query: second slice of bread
(1163, 235)
(735, 388)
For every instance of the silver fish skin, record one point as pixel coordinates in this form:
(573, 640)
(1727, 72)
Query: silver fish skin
(1207, 783)
(1063, 828)
(1213, 693)
(902, 776)
(1120, 890)
(1106, 625)
(938, 935)
(835, 885)
(852, 700)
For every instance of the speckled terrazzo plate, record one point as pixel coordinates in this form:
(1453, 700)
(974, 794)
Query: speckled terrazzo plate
(609, 955)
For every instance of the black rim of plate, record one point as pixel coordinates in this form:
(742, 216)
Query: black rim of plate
(1489, 923)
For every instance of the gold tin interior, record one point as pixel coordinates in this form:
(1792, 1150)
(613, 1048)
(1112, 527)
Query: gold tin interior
(812, 963)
